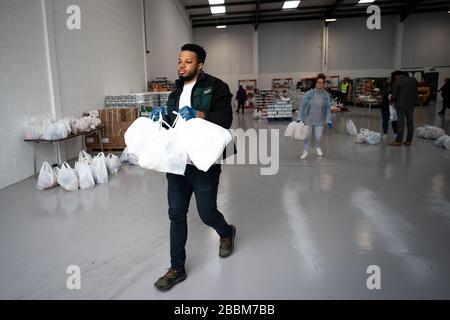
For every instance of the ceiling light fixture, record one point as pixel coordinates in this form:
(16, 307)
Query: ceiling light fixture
(366, 1)
(290, 4)
(218, 9)
(214, 2)
(221, 27)
(330, 20)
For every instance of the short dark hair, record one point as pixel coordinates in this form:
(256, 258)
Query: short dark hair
(321, 76)
(199, 51)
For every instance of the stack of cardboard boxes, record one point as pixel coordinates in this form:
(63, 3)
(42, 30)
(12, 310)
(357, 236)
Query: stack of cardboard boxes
(116, 122)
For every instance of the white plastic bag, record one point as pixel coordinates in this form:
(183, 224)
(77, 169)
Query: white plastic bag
(392, 113)
(140, 134)
(84, 124)
(67, 178)
(113, 163)
(443, 142)
(34, 129)
(301, 131)
(99, 170)
(429, 132)
(168, 153)
(205, 142)
(55, 131)
(290, 130)
(84, 157)
(373, 138)
(84, 174)
(129, 157)
(47, 177)
(351, 127)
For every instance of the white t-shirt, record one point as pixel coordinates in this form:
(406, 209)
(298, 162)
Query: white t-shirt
(185, 101)
(185, 98)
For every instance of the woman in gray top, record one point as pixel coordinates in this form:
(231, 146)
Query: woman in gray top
(314, 112)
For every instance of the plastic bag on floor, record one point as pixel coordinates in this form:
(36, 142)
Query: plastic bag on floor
(67, 178)
(129, 157)
(443, 142)
(430, 132)
(84, 157)
(301, 132)
(351, 127)
(373, 138)
(113, 163)
(84, 174)
(47, 177)
(205, 142)
(361, 136)
(99, 170)
(290, 130)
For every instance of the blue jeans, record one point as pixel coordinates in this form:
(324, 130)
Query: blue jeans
(318, 133)
(180, 188)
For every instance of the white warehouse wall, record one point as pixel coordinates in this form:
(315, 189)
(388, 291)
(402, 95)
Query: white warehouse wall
(230, 53)
(105, 57)
(168, 28)
(23, 86)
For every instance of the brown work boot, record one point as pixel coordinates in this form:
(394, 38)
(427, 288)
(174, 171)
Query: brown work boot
(227, 244)
(171, 278)
(395, 144)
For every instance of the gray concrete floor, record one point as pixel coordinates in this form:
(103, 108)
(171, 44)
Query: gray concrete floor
(309, 232)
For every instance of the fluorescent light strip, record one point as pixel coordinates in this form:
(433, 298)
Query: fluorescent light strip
(330, 20)
(214, 2)
(218, 9)
(366, 1)
(290, 4)
(221, 27)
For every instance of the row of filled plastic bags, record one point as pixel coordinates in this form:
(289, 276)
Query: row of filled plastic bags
(168, 148)
(86, 174)
(50, 129)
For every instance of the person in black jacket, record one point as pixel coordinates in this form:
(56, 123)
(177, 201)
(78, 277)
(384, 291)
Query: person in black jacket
(197, 95)
(445, 96)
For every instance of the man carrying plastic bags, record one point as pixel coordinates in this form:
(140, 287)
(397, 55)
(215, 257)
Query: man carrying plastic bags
(199, 96)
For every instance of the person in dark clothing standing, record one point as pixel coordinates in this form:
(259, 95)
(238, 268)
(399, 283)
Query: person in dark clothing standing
(445, 96)
(197, 95)
(241, 97)
(405, 98)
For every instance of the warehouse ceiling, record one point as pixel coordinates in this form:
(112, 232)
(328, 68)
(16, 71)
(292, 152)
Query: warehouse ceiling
(265, 11)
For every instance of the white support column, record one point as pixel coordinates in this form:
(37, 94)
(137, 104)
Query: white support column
(325, 48)
(256, 56)
(398, 45)
(144, 44)
(50, 56)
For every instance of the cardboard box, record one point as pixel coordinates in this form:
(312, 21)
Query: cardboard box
(103, 114)
(130, 114)
(114, 115)
(119, 142)
(125, 125)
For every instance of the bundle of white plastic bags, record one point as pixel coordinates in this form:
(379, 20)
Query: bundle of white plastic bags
(367, 136)
(429, 132)
(49, 129)
(168, 148)
(443, 142)
(86, 174)
(296, 130)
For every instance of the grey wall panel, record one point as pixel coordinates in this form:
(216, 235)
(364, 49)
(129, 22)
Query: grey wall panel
(230, 51)
(290, 46)
(426, 40)
(353, 46)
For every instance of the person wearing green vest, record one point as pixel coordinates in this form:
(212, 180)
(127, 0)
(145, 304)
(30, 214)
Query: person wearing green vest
(344, 91)
(197, 95)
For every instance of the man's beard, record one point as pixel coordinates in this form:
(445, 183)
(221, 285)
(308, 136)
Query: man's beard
(188, 77)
